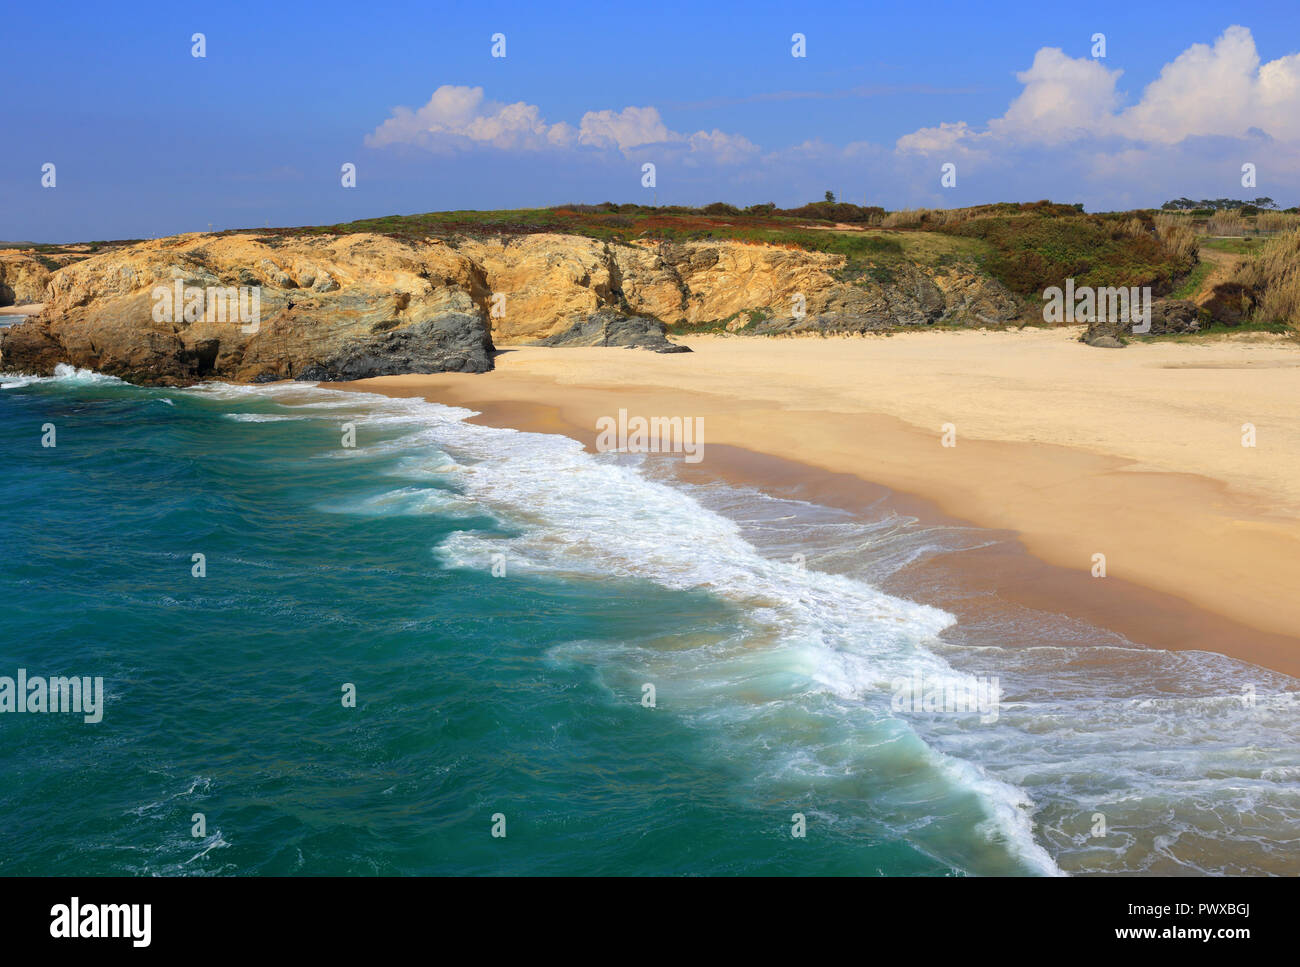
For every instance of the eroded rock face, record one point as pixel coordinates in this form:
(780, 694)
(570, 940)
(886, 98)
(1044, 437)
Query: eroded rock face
(350, 306)
(552, 283)
(542, 283)
(22, 279)
(694, 282)
(975, 300)
(903, 295)
(334, 307)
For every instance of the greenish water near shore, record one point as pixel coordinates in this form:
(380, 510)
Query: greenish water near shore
(500, 601)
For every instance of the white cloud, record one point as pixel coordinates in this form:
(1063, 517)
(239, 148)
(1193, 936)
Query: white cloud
(1064, 98)
(945, 138)
(628, 128)
(1220, 90)
(462, 117)
(720, 147)
(562, 135)
(1071, 133)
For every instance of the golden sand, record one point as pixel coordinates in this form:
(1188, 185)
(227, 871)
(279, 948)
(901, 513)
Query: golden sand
(1134, 454)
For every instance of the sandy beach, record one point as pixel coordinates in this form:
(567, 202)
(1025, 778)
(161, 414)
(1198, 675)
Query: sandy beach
(25, 310)
(1135, 454)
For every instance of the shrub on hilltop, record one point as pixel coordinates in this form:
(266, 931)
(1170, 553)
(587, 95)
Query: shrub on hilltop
(1046, 244)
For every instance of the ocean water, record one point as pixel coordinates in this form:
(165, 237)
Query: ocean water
(500, 602)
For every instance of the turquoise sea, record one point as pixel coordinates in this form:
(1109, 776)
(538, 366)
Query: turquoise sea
(500, 601)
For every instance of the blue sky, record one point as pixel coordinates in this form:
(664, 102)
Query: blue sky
(149, 140)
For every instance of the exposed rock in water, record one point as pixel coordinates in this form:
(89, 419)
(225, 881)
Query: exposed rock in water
(1168, 317)
(608, 328)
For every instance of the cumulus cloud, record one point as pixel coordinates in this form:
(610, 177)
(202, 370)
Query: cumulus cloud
(628, 128)
(457, 118)
(462, 116)
(1221, 90)
(945, 138)
(720, 147)
(1071, 132)
(1208, 90)
(1064, 98)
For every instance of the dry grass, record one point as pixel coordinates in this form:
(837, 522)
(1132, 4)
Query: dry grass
(1274, 274)
(1272, 222)
(1226, 223)
(1177, 236)
(925, 217)
(906, 218)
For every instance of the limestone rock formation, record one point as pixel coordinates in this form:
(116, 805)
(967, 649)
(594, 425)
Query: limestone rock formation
(333, 307)
(22, 279)
(336, 307)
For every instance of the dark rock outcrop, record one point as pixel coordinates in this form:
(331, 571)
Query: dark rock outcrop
(609, 328)
(1168, 317)
(902, 295)
(1231, 302)
(454, 342)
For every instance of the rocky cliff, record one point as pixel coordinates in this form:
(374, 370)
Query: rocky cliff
(22, 279)
(177, 310)
(250, 308)
(550, 281)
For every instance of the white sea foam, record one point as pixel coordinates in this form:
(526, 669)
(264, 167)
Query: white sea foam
(264, 418)
(73, 374)
(810, 637)
(63, 373)
(409, 501)
(1189, 776)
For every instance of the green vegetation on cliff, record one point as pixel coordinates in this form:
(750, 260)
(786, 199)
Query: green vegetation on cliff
(1027, 247)
(1033, 252)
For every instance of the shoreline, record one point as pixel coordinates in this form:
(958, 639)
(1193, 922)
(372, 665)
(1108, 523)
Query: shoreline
(29, 309)
(849, 457)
